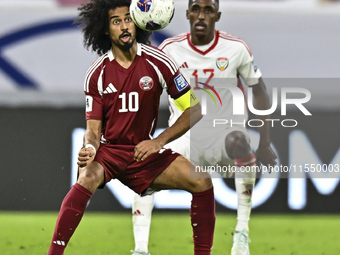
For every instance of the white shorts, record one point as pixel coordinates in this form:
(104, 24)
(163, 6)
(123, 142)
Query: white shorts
(207, 150)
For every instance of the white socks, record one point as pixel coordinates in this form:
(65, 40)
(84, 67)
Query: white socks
(142, 209)
(244, 183)
(141, 218)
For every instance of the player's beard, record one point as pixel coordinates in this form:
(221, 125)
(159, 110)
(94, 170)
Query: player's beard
(126, 46)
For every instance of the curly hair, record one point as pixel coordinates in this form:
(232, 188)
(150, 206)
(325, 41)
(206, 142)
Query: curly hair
(93, 17)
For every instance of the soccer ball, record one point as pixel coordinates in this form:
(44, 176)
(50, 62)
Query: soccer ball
(152, 15)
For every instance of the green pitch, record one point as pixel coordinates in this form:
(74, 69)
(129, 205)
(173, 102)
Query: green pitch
(103, 233)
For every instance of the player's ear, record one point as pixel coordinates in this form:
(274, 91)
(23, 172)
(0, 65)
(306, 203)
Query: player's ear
(187, 14)
(218, 16)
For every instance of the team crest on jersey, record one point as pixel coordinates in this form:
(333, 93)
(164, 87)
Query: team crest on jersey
(180, 82)
(146, 83)
(222, 63)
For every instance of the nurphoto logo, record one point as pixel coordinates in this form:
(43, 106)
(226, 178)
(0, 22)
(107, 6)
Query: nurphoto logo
(206, 86)
(239, 104)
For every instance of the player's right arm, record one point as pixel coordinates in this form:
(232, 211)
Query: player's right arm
(91, 142)
(93, 117)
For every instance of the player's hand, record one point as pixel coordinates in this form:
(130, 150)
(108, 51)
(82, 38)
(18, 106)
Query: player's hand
(145, 148)
(266, 155)
(85, 156)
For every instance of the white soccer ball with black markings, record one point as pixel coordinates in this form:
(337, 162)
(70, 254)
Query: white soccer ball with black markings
(152, 15)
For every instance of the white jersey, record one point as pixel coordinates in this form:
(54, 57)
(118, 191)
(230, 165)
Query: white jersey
(219, 65)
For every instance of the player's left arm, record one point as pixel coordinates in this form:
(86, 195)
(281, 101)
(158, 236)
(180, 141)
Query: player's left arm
(264, 153)
(191, 107)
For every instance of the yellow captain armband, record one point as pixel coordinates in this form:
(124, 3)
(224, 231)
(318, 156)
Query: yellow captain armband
(187, 100)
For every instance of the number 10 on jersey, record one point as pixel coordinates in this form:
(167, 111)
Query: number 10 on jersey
(130, 103)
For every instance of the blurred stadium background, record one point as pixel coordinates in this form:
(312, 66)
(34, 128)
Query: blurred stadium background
(42, 67)
(43, 64)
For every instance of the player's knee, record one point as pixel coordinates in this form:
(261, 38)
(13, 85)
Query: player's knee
(200, 184)
(91, 180)
(237, 145)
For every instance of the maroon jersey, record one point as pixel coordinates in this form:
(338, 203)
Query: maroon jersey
(127, 100)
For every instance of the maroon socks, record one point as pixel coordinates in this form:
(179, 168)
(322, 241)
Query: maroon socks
(70, 214)
(203, 221)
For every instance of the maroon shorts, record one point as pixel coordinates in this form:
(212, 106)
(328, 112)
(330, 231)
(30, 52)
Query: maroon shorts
(118, 162)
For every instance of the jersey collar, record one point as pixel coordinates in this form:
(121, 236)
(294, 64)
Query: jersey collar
(208, 50)
(110, 55)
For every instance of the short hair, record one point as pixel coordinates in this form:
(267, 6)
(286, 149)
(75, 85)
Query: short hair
(94, 19)
(216, 1)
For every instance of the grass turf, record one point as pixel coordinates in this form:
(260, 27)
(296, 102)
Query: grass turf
(105, 233)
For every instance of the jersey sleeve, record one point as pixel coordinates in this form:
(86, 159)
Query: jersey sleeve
(177, 85)
(165, 49)
(169, 75)
(247, 70)
(93, 97)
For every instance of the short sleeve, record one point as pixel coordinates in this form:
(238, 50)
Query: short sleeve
(247, 70)
(94, 102)
(177, 85)
(172, 80)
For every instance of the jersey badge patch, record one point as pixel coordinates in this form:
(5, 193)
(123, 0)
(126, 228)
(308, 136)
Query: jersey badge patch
(255, 67)
(146, 83)
(222, 63)
(89, 102)
(180, 82)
